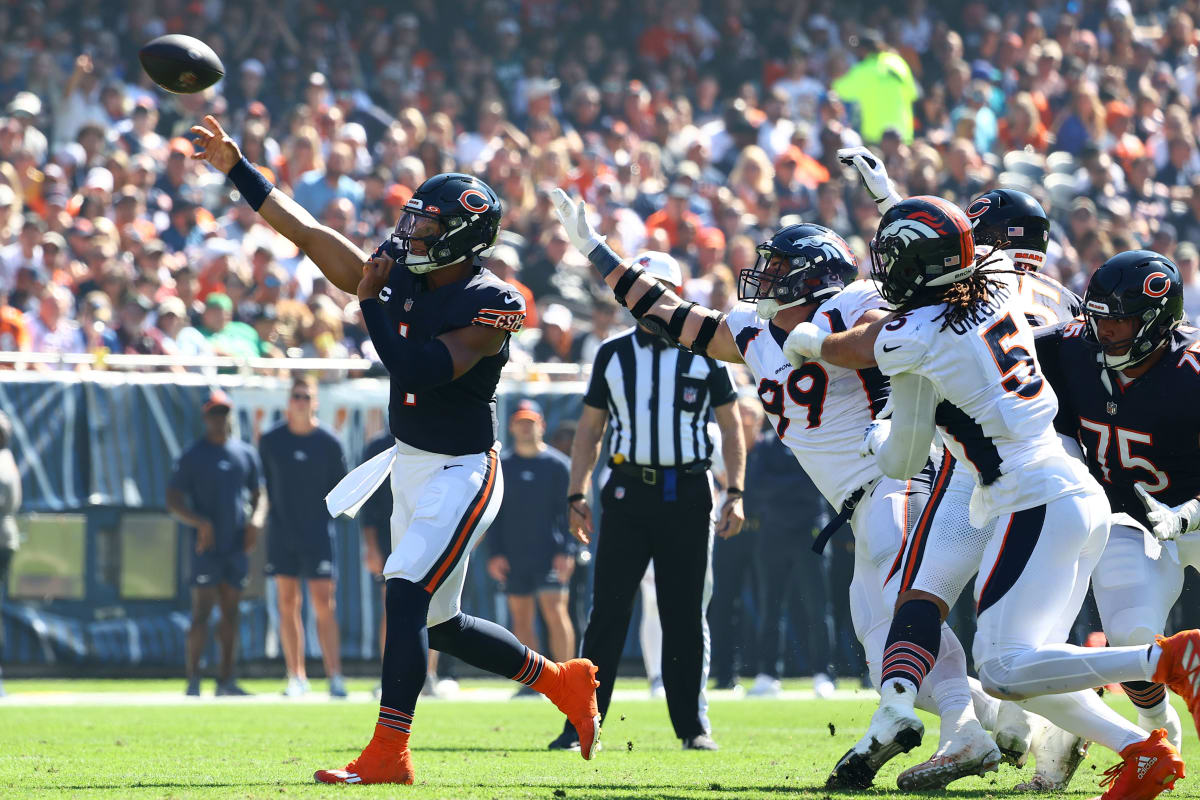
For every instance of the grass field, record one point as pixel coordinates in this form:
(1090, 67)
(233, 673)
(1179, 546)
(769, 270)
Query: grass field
(160, 745)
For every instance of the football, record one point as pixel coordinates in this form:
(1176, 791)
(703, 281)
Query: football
(181, 64)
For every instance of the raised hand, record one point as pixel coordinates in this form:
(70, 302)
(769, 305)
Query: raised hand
(215, 146)
(574, 218)
(873, 174)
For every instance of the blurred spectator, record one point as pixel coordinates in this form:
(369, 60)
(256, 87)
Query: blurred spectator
(216, 493)
(302, 461)
(532, 552)
(882, 85)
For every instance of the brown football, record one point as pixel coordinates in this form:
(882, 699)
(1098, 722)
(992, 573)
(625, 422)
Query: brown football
(181, 64)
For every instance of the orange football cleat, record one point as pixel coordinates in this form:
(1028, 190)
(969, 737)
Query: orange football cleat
(572, 688)
(1147, 770)
(1179, 668)
(377, 764)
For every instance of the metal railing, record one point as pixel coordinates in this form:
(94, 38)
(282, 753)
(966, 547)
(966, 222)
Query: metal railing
(357, 367)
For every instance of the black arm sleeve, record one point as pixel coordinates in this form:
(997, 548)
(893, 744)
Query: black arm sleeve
(1048, 342)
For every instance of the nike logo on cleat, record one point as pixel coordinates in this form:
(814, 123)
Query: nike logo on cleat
(887, 349)
(1144, 765)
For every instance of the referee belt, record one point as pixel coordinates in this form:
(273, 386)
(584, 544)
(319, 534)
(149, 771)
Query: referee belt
(652, 476)
(838, 521)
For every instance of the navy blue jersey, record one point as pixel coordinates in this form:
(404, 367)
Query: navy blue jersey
(377, 511)
(531, 527)
(217, 480)
(457, 418)
(299, 472)
(1147, 432)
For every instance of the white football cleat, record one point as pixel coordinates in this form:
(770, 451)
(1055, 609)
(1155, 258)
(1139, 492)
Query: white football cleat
(969, 751)
(765, 686)
(823, 686)
(1168, 720)
(894, 729)
(1058, 754)
(1014, 733)
(296, 687)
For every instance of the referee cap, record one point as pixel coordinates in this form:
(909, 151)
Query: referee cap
(661, 266)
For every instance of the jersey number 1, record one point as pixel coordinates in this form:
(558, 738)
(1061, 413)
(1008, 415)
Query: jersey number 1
(1018, 370)
(804, 387)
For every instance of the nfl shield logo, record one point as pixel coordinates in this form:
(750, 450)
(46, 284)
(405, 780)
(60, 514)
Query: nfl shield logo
(619, 492)
(408, 304)
(690, 393)
(1111, 408)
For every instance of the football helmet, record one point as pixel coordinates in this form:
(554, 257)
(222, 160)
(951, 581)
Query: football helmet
(817, 263)
(468, 215)
(1014, 222)
(1140, 285)
(923, 243)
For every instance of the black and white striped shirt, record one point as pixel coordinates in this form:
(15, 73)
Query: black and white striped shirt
(659, 399)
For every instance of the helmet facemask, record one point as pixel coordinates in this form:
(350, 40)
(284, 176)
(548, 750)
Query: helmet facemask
(777, 281)
(1148, 336)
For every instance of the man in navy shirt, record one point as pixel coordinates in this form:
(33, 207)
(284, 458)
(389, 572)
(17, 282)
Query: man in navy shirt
(214, 483)
(302, 462)
(533, 554)
(441, 324)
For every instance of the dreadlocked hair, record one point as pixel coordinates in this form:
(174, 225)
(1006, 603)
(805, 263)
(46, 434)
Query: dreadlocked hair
(963, 297)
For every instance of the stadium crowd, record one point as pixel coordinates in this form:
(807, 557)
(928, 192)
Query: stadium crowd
(695, 127)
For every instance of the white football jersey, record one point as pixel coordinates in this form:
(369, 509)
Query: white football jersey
(995, 411)
(819, 411)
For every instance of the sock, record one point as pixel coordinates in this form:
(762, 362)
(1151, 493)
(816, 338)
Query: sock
(986, 706)
(488, 646)
(913, 642)
(1084, 714)
(948, 683)
(1150, 698)
(405, 654)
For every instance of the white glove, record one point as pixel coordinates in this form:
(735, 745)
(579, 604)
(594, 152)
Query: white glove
(874, 437)
(1166, 522)
(574, 218)
(874, 177)
(804, 344)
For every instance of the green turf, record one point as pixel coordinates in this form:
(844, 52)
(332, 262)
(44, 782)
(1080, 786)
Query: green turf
(462, 750)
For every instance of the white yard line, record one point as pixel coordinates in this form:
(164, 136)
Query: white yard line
(468, 695)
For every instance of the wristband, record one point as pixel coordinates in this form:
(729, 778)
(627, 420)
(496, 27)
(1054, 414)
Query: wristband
(575, 498)
(252, 184)
(733, 491)
(604, 259)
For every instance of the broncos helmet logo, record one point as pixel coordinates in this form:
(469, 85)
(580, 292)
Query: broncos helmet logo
(910, 229)
(831, 246)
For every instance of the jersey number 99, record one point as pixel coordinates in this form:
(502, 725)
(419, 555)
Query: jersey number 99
(803, 387)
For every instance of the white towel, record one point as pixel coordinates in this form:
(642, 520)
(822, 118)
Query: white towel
(358, 486)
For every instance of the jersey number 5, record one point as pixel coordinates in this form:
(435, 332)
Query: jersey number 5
(804, 387)
(1018, 370)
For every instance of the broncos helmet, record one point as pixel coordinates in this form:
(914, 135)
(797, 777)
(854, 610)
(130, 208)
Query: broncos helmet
(817, 263)
(1014, 222)
(923, 243)
(1140, 285)
(467, 211)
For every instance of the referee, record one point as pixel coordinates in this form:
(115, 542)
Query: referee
(656, 401)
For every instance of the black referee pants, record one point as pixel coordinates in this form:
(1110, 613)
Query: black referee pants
(640, 523)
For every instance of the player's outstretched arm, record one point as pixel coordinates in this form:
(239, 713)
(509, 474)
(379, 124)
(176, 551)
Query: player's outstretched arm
(689, 325)
(337, 257)
(852, 349)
